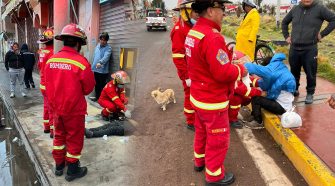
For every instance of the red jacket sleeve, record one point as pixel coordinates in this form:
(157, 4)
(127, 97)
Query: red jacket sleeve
(123, 97)
(219, 60)
(178, 52)
(243, 90)
(87, 79)
(113, 95)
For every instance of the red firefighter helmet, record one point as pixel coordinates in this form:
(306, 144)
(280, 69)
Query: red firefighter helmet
(121, 77)
(73, 30)
(46, 36)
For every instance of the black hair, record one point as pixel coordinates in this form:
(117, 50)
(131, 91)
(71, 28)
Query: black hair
(16, 43)
(266, 60)
(104, 36)
(71, 41)
(24, 47)
(200, 7)
(50, 42)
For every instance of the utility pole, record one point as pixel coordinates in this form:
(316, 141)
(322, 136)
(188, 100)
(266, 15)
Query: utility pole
(61, 18)
(278, 14)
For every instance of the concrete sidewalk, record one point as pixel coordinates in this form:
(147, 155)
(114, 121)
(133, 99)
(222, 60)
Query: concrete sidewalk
(26, 113)
(311, 148)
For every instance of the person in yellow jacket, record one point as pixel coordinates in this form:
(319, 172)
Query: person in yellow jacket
(247, 32)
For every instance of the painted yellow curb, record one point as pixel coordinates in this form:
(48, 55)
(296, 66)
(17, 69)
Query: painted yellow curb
(306, 162)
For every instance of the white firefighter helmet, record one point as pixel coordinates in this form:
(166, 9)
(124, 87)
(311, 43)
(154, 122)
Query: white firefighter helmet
(291, 119)
(249, 3)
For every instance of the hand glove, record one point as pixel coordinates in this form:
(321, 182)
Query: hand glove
(127, 114)
(188, 82)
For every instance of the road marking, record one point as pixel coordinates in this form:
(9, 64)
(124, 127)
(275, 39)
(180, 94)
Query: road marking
(269, 170)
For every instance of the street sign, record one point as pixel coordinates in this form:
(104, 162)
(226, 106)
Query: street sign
(294, 2)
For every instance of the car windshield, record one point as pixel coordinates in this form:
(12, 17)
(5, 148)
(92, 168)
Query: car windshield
(154, 14)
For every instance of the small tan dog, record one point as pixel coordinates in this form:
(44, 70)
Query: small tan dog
(163, 98)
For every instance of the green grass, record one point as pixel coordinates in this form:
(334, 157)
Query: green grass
(326, 71)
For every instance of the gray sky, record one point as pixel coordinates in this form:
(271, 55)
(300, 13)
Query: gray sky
(172, 3)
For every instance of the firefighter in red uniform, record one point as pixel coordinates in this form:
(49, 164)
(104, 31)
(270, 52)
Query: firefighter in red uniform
(113, 97)
(68, 78)
(46, 51)
(245, 89)
(213, 78)
(178, 34)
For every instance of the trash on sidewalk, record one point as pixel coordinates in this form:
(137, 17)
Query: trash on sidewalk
(104, 137)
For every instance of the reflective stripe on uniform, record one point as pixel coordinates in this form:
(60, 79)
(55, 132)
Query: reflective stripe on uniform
(196, 155)
(123, 92)
(178, 55)
(196, 34)
(216, 173)
(248, 92)
(68, 61)
(239, 73)
(209, 106)
(115, 97)
(45, 51)
(188, 111)
(59, 147)
(45, 121)
(52, 127)
(42, 87)
(235, 106)
(108, 110)
(72, 156)
(254, 82)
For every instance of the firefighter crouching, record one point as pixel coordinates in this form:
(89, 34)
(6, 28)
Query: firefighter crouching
(46, 51)
(213, 78)
(178, 34)
(68, 78)
(113, 97)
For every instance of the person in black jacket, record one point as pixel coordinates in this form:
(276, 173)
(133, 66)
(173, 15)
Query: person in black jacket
(29, 62)
(307, 19)
(14, 64)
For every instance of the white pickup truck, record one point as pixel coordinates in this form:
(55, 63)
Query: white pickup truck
(155, 20)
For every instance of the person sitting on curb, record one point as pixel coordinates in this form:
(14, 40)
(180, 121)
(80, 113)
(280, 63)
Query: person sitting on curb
(278, 85)
(331, 101)
(242, 93)
(113, 98)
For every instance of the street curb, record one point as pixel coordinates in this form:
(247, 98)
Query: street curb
(310, 166)
(32, 154)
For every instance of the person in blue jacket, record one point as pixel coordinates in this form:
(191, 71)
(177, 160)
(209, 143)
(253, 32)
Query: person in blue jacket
(278, 85)
(100, 66)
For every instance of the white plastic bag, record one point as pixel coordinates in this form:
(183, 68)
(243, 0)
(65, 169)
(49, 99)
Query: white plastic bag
(291, 119)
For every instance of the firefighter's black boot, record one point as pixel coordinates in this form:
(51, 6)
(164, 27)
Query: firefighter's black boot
(75, 171)
(59, 169)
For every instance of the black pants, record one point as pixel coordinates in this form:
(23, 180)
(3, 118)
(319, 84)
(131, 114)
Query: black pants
(100, 82)
(259, 102)
(28, 78)
(308, 60)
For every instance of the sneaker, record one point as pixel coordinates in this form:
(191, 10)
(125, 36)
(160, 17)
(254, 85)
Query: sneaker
(246, 114)
(33, 85)
(296, 93)
(23, 94)
(309, 99)
(236, 125)
(254, 125)
(27, 88)
(93, 99)
(12, 95)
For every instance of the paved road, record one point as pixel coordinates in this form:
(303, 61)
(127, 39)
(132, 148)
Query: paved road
(163, 146)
